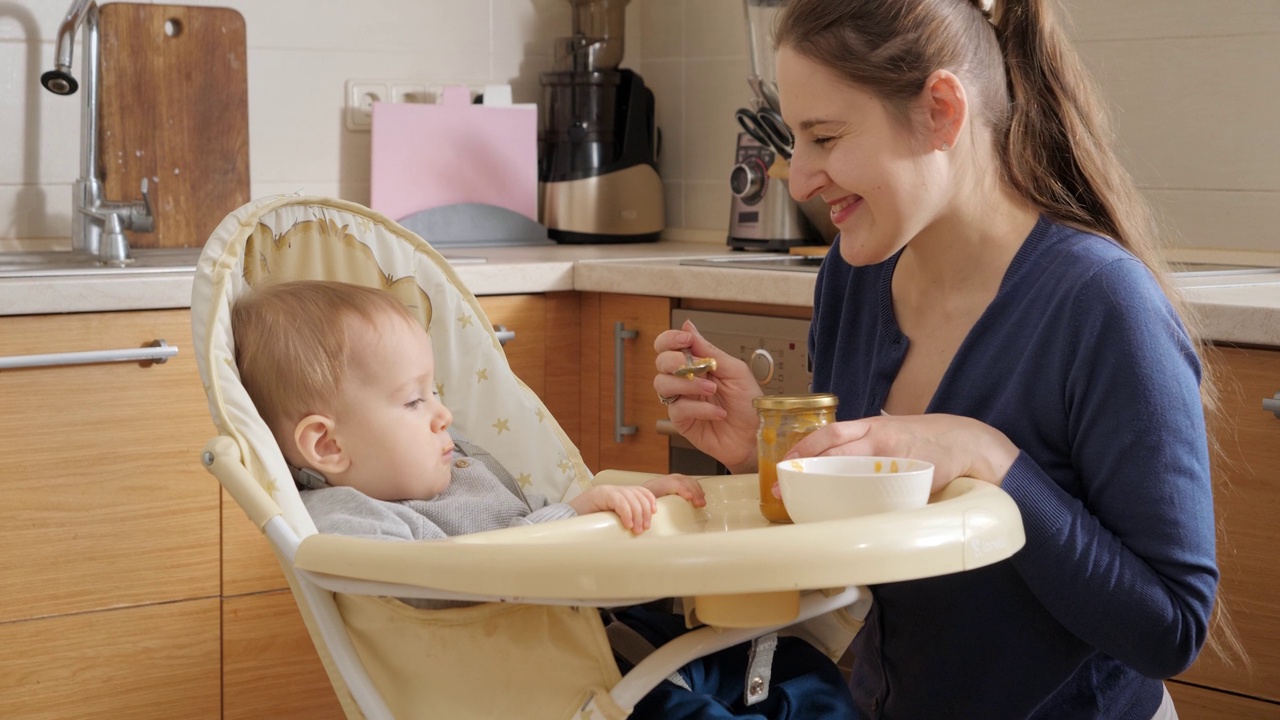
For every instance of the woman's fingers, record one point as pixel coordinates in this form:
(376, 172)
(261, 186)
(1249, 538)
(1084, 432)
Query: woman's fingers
(842, 438)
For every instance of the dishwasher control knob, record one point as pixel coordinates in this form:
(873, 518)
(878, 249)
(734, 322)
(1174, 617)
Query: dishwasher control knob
(761, 364)
(749, 179)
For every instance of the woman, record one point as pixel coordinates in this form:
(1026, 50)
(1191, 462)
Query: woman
(989, 306)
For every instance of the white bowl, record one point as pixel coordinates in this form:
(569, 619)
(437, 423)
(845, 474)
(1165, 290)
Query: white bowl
(833, 488)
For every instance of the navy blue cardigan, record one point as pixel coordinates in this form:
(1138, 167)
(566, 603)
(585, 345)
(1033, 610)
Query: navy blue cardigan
(1081, 361)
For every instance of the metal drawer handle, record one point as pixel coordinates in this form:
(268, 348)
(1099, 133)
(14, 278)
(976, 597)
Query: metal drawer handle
(158, 351)
(620, 335)
(504, 335)
(1272, 405)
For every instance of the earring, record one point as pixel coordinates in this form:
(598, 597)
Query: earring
(946, 146)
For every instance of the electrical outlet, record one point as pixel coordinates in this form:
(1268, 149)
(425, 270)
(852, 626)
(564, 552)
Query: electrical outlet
(361, 95)
(408, 91)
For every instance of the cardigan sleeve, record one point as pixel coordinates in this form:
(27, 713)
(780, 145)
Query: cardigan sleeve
(1128, 565)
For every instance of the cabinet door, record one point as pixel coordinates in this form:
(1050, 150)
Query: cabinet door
(103, 501)
(1247, 501)
(1197, 703)
(526, 316)
(158, 662)
(270, 669)
(604, 315)
(545, 350)
(248, 565)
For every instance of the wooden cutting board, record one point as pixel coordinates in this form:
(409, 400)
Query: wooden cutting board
(174, 109)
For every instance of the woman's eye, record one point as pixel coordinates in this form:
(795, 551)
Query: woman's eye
(822, 141)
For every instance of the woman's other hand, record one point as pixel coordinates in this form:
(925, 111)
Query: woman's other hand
(713, 411)
(957, 446)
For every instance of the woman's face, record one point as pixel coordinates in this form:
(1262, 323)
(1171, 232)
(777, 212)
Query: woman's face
(882, 182)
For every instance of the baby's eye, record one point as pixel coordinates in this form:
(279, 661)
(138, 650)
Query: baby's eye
(415, 403)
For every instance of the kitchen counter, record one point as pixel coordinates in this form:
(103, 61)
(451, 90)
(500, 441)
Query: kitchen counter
(1241, 309)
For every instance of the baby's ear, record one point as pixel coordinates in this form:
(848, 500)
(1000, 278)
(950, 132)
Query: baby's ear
(318, 446)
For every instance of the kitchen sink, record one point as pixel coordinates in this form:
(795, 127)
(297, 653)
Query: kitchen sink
(64, 262)
(810, 263)
(1206, 269)
(60, 263)
(798, 263)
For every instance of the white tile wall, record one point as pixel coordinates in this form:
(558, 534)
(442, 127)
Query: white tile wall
(1190, 82)
(300, 54)
(1192, 89)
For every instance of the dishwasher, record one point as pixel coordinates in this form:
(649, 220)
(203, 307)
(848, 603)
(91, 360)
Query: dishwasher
(775, 348)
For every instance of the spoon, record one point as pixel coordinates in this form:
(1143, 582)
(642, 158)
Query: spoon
(695, 366)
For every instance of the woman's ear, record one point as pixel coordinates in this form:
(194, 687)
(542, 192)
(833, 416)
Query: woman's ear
(318, 445)
(948, 108)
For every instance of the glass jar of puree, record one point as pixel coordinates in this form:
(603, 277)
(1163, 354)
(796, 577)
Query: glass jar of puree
(784, 420)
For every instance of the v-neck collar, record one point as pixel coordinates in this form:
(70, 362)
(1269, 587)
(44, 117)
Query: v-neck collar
(891, 333)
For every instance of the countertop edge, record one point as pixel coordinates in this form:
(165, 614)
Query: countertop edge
(1240, 310)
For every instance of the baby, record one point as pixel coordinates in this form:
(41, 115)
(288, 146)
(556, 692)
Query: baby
(345, 378)
(344, 375)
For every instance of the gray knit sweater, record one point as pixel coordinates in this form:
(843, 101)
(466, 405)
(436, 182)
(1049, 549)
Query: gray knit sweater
(481, 496)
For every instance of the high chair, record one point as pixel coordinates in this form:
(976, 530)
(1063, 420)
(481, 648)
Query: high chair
(536, 646)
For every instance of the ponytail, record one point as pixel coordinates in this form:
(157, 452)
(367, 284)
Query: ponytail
(1057, 148)
(1057, 153)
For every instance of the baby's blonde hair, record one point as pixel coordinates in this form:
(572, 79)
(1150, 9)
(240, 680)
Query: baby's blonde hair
(293, 343)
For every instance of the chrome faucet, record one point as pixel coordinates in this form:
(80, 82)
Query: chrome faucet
(97, 224)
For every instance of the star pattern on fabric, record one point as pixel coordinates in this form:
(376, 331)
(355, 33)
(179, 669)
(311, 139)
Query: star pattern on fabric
(524, 479)
(565, 466)
(501, 426)
(541, 415)
(481, 375)
(464, 320)
(440, 390)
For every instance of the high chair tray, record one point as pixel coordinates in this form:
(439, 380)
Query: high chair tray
(726, 548)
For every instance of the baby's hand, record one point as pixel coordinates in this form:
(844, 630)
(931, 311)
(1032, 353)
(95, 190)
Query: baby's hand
(677, 484)
(633, 504)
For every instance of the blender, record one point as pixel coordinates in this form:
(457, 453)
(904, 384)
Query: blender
(762, 214)
(598, 141)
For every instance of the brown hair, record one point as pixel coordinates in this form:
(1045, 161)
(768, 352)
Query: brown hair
(1052, 137)
(293, 343)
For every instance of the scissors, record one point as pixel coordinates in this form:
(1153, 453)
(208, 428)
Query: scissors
(766, 127)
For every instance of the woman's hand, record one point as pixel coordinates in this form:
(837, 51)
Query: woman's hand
(677, 484)
(957, 446)
(714, 411)
(633, 504)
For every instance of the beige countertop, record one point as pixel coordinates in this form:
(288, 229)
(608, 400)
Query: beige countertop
(1235, 308)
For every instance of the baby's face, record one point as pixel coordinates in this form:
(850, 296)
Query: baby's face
(389, 418)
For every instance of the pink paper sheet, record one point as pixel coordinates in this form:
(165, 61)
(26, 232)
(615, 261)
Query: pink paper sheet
(426, 155)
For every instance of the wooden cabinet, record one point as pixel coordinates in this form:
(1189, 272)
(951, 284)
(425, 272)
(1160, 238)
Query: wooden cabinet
(109, 559)
(270, 667)
(544, 350)
(1247, 502)
(618, 331)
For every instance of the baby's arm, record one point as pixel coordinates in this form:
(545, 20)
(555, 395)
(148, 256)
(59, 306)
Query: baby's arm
(635, 504)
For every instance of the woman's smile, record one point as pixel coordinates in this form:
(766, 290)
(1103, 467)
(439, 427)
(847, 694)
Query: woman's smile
(844, 207)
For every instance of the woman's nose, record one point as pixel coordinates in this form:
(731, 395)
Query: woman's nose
(806, 178)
